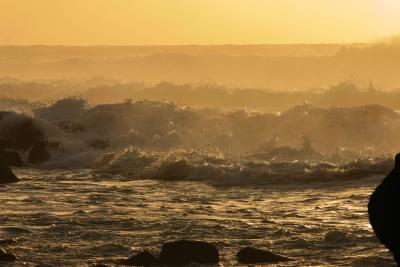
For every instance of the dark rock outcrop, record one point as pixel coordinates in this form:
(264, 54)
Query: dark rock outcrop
(6, 175)
(383, 210)
(39, 153)
(253, 256)
(11, 158)
(183, 252)
(20, 132)
(27, 134)
(144, 258)
(5, 256)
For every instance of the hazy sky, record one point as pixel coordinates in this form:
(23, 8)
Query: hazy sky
(133, 22)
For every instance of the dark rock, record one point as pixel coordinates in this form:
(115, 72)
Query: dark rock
(99, 144)
(383, 211)
(39, 153)
(27, 134)
(184, 252)
(5, 143)
(4, 256)
(335, 237)
(253, 256)
(21, 132)
(142, 259)
(11, 158)
(6, 175)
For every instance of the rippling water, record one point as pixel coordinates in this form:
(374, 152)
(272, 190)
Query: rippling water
(79, 218)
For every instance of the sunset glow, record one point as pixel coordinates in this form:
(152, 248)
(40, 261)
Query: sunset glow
(153, 22)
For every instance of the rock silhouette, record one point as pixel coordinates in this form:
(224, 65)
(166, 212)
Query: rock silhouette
(20, 132)
(144, 258)
(384, 211)
(6, 175)
(11, 158)
(184, 252)
(39, 153)
(250, 255)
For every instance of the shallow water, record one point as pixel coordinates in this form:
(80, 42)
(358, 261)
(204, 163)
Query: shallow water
(78, 218)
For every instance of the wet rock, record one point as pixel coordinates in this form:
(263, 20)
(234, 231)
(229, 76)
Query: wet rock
(11, 158)
(39, 153)
(335, 237)
(5, 256)
(144, 258)
(253, 256)
(183, 252)
(6, 175)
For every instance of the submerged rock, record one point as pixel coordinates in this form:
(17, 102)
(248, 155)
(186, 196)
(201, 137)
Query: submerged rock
(183, 252)
(253, 256)
(335, 237)
(6, 175)
(5, 256)
(144, 258)
(11, 158)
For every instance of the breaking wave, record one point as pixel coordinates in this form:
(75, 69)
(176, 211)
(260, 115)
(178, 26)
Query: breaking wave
(216, 169)
(166, 141)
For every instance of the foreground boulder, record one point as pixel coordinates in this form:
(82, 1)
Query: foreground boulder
(184, 252)
(6, 175)
(144, 258)
(253, 256)
(4, 256)
(11, 158)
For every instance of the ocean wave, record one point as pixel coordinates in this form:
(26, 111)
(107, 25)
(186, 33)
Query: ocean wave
(166, 141)
(218, 169)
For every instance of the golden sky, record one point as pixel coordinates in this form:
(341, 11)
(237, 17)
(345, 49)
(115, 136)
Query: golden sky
(157, 22)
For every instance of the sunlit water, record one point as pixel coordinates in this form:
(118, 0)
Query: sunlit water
(79, 218)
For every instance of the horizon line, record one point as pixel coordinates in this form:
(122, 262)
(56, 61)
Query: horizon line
(180, 45)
